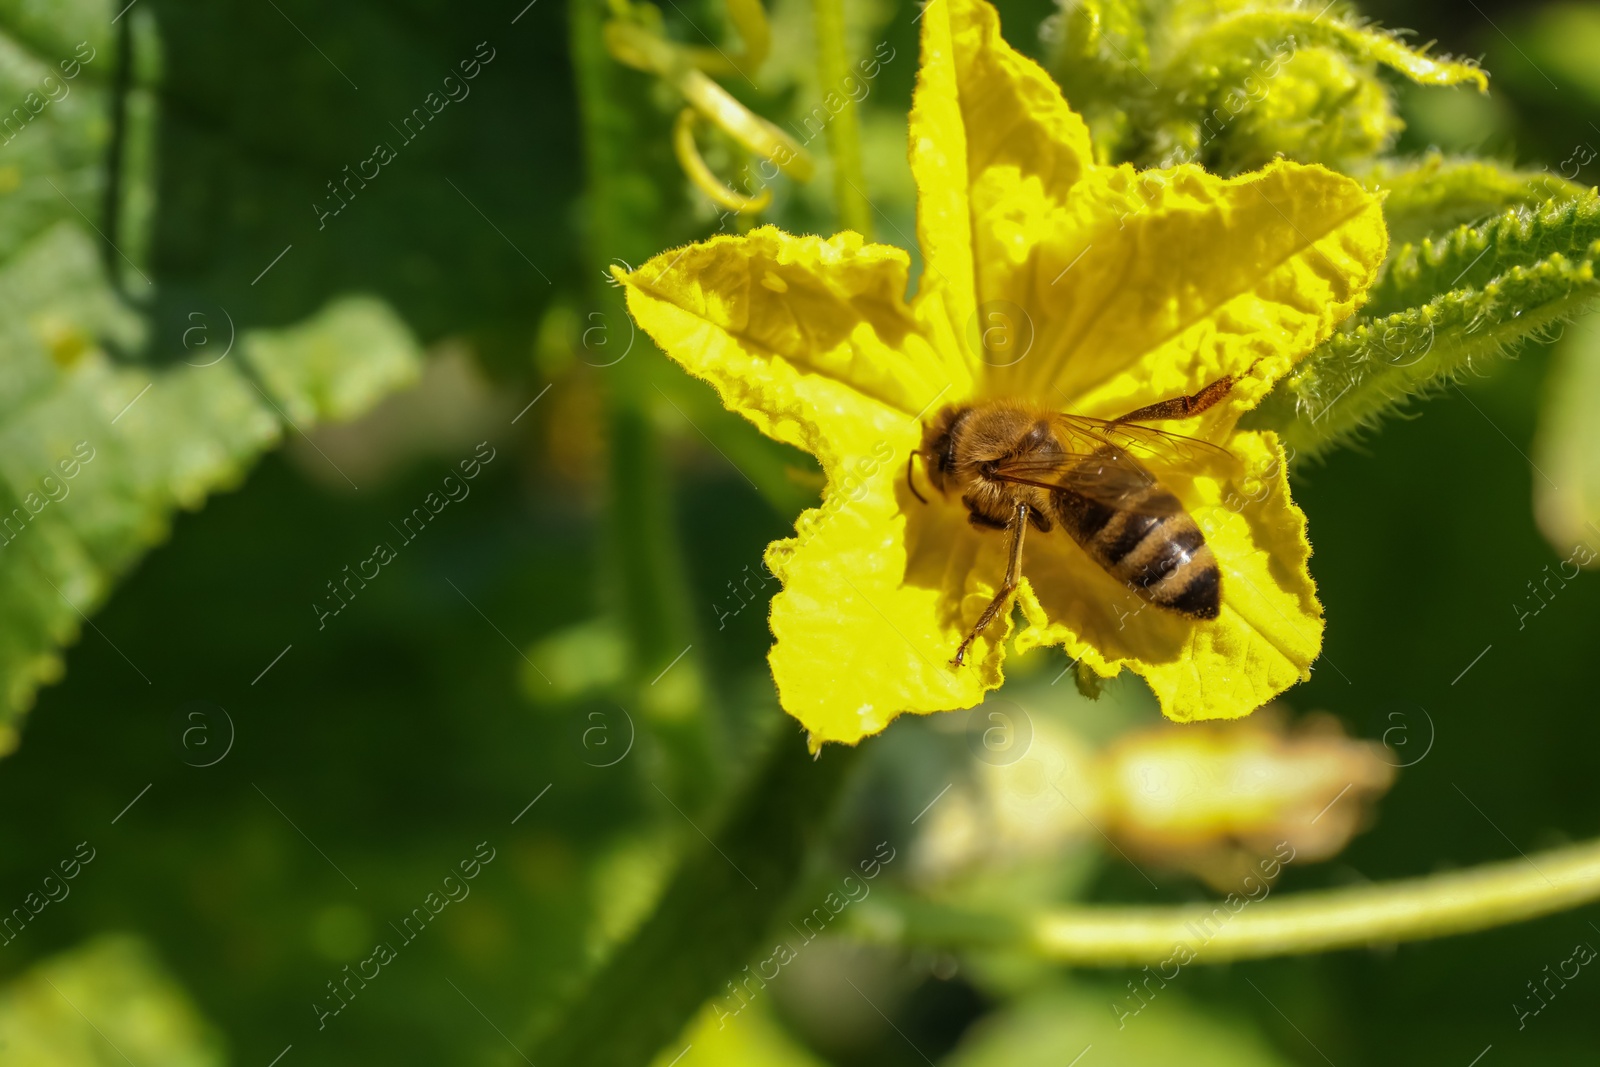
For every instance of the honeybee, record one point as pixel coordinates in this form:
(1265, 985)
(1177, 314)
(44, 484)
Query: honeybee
(1017, 464)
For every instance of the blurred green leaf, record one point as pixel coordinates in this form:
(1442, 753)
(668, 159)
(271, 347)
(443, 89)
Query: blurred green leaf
(1567, 447)
(123, 171)
(588, 659)
(755, 1036)
(105, 1004)
(336, 364)
(1052, 1026)
(95, 456)
(56, 125)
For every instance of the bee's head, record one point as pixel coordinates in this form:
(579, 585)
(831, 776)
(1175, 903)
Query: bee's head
(939, 437)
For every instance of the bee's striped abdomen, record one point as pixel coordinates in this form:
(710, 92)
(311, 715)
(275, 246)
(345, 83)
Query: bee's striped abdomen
(1163, 557)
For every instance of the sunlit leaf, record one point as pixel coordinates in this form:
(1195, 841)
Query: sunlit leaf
(719, 1038)
(1050, 1027)
(105, 1004)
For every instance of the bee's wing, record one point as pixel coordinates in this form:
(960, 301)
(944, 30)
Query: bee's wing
(1108, 476)
(1163, 449)
(1106, 462)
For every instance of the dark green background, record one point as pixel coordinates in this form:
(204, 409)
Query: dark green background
(403, 734)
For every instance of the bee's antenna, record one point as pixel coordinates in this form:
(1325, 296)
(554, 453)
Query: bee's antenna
(910, 461)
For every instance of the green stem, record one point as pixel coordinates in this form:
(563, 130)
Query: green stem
(633, 186)
(1416, 909)
(711, 920)
(844, 129)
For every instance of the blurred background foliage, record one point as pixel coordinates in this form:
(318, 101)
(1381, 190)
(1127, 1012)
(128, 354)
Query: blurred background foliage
(270, 787)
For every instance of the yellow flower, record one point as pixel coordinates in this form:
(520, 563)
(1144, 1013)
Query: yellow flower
(1090, 289)
(1217, 799)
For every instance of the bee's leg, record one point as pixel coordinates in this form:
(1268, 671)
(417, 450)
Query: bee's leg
(1181, 407)
(1014, 529)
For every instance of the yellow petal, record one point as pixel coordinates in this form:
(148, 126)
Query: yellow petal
(813, 342)
(867, 622)
(810, 339)
(988, 128)
(1153, 284)
(1270, 627)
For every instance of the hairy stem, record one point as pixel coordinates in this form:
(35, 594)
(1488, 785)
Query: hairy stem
(1356, 376)
(647, 586)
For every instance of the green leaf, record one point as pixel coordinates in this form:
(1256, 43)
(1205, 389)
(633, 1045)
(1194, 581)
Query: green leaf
(189, 188)
(104, 1004)
(56, 130)
(1435, 193)
(338, 363)
(1358, 375)
(96, 456)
